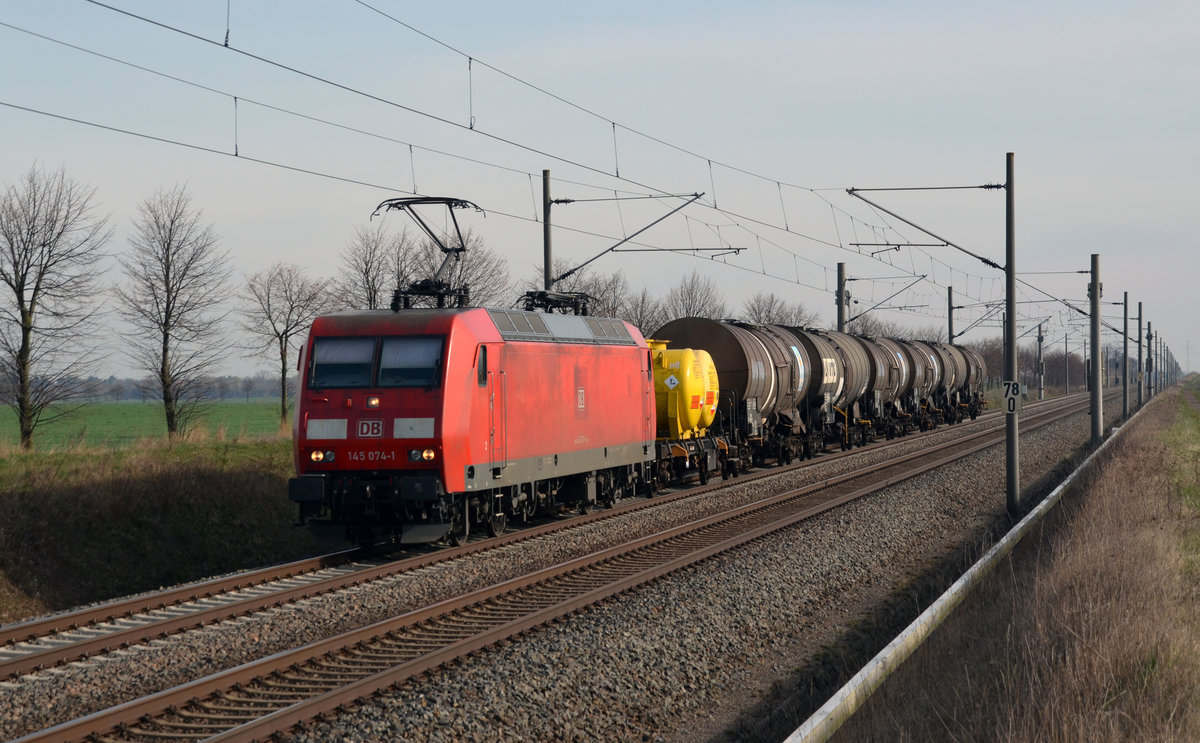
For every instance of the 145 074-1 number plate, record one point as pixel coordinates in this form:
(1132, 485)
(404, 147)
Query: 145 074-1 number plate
(371, 456)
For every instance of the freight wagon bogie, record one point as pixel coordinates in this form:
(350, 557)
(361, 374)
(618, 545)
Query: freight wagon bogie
(680, 460)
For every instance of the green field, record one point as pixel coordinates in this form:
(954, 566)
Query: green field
(117, 424)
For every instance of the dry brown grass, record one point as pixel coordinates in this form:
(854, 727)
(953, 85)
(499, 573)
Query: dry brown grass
(85, 524)
(1089, 631)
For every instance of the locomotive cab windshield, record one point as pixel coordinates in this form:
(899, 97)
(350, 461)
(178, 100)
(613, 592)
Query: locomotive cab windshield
(411, 361)
(342, 362)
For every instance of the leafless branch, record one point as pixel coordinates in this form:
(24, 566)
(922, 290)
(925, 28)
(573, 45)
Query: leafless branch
(177, 283)
(51, 240)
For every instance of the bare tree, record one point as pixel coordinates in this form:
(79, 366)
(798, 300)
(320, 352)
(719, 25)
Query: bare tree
(279, 304)
(931, 332)
(51, 239)
(695, 296)
(873, 325)
(771, 309)
(177, 281)
(480, 268)
(375, 264)
(645, 311)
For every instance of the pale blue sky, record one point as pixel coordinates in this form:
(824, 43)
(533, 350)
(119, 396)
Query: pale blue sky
(1097, 100)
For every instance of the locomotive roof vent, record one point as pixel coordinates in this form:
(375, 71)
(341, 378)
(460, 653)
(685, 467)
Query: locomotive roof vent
(554, 328)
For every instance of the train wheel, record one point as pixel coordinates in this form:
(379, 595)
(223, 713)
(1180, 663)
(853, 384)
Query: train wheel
(527, 510)
(459, 524)
(497, 520)
(614, 494)
(664, 472)
(645, 487)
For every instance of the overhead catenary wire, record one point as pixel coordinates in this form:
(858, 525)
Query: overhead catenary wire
(269, 163)
(370, 96)
(346, 127)
(746, 221)
(854, 221)
(447, 121)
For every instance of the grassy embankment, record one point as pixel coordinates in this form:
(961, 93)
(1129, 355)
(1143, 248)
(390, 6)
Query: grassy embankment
(83, 520)
(1091, 629)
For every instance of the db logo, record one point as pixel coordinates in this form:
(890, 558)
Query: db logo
(370, 429)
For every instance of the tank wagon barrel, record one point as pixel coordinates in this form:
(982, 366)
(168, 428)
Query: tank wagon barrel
(686, 392)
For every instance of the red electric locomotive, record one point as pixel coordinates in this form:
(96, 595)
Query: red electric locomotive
(418, 423)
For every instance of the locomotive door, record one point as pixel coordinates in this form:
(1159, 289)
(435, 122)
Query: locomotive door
(497, 418)
(648, 402)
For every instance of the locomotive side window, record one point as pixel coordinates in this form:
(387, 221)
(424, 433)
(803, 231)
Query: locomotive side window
(342, 362)
(413, 361)
(483, 370)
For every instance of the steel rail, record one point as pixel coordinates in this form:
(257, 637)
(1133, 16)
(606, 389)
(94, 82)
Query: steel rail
(110, 611)
(286, 674)
(144, 626)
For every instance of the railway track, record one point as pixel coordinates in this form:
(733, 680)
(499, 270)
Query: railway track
(33, 646)
(259, 698)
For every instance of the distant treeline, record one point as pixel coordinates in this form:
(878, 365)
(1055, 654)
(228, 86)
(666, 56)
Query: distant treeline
(224, 388)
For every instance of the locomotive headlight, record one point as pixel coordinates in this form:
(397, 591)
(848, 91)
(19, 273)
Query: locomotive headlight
(427, 455)
(317, 456)
(373, 401)
(416, 455)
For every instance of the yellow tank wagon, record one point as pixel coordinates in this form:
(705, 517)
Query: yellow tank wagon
(686, 393)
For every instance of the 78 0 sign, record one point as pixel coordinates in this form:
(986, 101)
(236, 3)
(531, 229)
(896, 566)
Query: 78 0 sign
(1012, 397)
